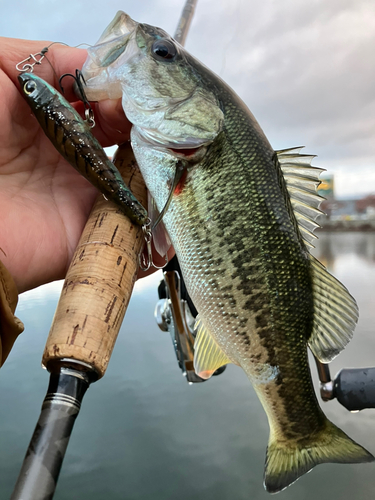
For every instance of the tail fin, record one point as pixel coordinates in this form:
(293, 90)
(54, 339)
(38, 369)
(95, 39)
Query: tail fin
(285, 463)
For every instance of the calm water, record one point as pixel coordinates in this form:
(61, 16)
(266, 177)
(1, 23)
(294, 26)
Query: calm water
(143, 433)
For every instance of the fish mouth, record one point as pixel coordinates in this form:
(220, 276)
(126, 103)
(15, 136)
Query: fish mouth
(191, 155)
(113, 41)
(104, 55)
(155, 137)
(188, 148)
(185, 152)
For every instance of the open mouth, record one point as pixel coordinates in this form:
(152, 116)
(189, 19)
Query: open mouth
(186, 152)
(191, 155)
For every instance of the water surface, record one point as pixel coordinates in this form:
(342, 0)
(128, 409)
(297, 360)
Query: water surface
(143, 433)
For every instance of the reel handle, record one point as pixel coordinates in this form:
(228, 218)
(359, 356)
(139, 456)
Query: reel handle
(354, 388)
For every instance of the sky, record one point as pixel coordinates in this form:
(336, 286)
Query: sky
(306, 69)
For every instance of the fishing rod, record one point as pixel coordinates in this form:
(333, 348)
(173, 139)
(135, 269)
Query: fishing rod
(92, 305)
(93, 301)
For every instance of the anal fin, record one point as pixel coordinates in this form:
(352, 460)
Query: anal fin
(208, 356)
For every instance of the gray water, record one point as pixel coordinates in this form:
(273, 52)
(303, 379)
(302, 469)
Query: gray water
(144, 433)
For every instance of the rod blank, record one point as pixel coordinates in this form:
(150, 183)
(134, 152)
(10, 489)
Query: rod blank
(41, 467)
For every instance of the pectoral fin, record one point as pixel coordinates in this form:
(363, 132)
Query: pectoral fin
(208, 356)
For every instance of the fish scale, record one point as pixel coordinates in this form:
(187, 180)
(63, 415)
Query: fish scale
(240, 222)
(245, 244)
(252, 291)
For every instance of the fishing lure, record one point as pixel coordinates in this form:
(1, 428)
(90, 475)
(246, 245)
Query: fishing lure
(72, 138)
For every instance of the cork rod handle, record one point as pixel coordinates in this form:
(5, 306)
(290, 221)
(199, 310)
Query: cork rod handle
(100, 279)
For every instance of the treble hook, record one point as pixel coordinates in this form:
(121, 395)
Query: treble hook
(79, 78)
(146, 261)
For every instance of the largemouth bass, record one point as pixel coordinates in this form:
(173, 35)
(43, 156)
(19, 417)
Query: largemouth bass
(73, 139)
(241, 220)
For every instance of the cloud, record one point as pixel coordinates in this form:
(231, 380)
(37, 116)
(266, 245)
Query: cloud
(305, 69)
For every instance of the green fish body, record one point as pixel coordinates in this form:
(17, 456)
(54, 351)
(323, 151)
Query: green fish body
(241, 220)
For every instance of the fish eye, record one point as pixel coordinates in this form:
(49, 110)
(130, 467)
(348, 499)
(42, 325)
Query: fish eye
(164, 50)
(29, 87)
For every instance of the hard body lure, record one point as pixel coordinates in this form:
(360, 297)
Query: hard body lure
(72, 138)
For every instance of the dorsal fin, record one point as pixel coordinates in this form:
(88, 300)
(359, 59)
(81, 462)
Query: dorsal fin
(208, 356)
(335, 310)
(302, 181)
(335, 314)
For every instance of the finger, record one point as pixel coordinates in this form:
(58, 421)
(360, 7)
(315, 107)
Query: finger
(111, 125)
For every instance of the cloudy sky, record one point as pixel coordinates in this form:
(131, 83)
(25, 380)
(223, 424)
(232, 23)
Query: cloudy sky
(306, 69)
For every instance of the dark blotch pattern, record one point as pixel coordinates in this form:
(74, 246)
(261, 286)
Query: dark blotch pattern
(237, 234)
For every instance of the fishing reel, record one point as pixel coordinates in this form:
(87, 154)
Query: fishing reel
(354, 388)
(175, 313)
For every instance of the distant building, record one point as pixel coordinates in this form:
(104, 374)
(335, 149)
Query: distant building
(348, 215)
(366, 206)
(339, 209)
(345, 215)
(327, 187)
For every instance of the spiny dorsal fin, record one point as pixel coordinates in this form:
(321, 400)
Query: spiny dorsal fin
(302, 181)
(208, 356)
(335, 314)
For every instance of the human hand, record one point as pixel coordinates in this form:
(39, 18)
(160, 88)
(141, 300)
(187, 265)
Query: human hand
(44, 202)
